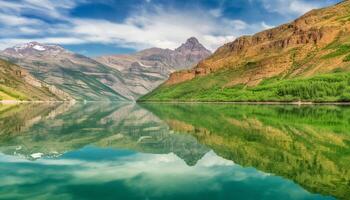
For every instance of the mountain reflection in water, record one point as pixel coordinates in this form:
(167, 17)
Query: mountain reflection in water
(173, 151)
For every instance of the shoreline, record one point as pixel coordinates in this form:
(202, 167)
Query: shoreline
(19, 102)
(250, 102)
(197, 102)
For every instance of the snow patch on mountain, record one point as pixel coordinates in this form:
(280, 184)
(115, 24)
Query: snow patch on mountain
(39, 48)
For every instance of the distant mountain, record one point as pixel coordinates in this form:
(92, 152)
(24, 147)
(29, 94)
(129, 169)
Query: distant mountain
(147, 69)
(17, 84)
(81, 77)
(118, 77)
(307, 59)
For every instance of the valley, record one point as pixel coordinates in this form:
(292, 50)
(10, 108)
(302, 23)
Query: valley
(108, 78)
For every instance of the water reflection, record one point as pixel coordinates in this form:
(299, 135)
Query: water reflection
(105, 125)
(127, 151)
(308, 144)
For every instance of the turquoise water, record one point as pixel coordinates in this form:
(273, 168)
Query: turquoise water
(129, 151)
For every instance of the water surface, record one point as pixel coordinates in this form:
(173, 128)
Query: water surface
(174, 151)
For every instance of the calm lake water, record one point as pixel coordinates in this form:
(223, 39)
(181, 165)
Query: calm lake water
(167, 151)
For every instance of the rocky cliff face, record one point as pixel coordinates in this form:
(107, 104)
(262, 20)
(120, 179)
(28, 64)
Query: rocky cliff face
(147, 69)
(303, 47)
(192, 51)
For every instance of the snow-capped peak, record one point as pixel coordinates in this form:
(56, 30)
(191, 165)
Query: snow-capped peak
(32, 48)
(32, 45)
(39, 47)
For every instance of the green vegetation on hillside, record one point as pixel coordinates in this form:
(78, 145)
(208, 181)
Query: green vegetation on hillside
(340, 50)
(13, 85)
(8, 93)
(319, 88)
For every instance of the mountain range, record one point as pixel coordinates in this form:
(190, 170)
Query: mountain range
(147, 69)
(305, 60)
(113, 78)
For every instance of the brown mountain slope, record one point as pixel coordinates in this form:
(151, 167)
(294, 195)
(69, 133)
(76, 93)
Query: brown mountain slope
(316, 43)
(17, 84)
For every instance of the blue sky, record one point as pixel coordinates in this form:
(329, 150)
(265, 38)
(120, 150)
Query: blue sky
(99, 27)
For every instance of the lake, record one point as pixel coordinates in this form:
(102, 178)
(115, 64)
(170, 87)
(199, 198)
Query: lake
(174, 151)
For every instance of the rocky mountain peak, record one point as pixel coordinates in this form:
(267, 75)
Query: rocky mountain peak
(193, 41)
(33, 48)
(192, 44)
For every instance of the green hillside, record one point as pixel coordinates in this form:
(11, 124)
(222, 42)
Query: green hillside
(320, 88)
(15, 86)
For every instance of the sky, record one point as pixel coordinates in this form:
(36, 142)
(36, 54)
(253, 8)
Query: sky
(105, 27)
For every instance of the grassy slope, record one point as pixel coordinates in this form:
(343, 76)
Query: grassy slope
(14, 87)
(319, 88)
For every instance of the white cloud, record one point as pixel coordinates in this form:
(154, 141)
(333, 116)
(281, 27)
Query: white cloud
(152, 27)
(145, 27)
(163, 28)
(216, 12)
(7, 6)
(266, 26)
(46, 8)
(290, 7)
(13, 20)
